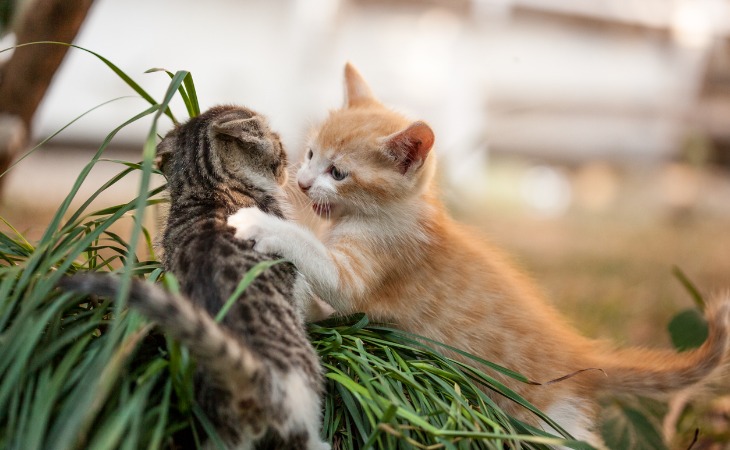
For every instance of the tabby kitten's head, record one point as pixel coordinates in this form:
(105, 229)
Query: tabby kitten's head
(227, 147)
(365, 157)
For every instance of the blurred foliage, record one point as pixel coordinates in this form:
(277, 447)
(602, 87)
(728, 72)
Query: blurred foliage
(632, 423)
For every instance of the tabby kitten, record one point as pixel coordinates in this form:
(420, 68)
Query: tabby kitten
(259, 379)
(392, 251)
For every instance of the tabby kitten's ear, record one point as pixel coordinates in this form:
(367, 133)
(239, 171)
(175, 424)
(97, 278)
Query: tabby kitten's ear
(163, 153)
(357, 91)
(245, 130)
(410, 147)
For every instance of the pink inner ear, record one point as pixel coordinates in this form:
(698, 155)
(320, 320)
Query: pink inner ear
(411, 145)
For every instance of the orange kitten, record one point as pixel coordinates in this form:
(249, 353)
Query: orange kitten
(392, 251)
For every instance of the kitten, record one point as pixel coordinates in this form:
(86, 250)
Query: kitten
(259, 379)
(392, 251)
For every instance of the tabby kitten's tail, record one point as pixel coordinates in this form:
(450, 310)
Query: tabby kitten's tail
(643, 371)
(223, 356)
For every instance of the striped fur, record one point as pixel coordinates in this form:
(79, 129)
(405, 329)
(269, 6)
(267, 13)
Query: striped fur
(390, 250)
(259, 379)
(215, 348)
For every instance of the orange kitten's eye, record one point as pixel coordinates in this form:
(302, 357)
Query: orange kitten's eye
(337, 174)
(310, 154)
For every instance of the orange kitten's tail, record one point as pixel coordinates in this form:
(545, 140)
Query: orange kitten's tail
(642, 371)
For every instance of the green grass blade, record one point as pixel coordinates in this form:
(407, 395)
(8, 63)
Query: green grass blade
(690, 287)
(57, 132)
(187, 91)
(120, 73)
(194, 108)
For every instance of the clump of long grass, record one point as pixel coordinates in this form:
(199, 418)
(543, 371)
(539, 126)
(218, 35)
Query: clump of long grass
(85, 372)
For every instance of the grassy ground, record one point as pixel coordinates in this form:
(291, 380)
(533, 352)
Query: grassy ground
(610, 270)
(615, 281)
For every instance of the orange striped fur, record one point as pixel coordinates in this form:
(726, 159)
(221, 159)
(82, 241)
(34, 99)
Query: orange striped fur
(390, 250)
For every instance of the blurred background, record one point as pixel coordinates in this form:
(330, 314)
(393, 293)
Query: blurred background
(590, 138)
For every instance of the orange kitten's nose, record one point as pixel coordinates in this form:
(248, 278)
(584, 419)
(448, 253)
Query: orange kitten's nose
(304, 187)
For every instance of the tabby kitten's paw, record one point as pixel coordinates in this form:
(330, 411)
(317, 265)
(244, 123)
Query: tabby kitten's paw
(255, 225)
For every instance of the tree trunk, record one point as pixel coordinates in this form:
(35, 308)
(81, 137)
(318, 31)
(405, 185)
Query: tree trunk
(25, 78)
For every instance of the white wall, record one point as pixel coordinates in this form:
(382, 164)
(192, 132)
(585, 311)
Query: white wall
(485, 79)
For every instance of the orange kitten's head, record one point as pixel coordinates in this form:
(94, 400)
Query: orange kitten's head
(365, 157)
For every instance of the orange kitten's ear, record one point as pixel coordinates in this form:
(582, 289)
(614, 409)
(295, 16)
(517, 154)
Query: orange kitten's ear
(357, 91)
(410, 147)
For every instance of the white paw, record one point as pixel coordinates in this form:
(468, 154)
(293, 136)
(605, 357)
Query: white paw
(267, 244)
(316, 309)
(251, 224)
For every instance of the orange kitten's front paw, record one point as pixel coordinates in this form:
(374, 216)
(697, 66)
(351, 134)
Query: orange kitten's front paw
(249, 223)
(255, 225)
(271, 245)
